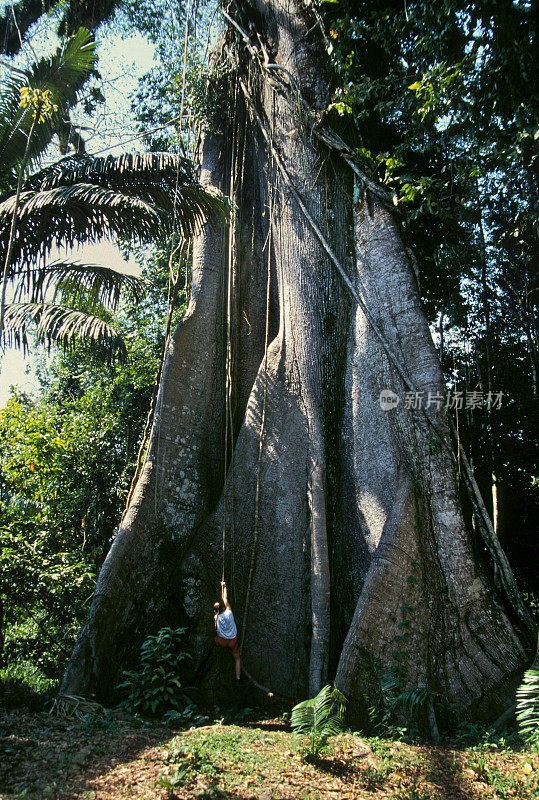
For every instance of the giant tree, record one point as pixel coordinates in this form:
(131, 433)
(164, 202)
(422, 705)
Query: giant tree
(335, 516)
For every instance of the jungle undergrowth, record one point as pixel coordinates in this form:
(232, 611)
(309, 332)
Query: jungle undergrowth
(128, 760)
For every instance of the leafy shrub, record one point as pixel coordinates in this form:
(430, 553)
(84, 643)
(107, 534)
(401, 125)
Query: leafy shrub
(319, 719)
(189, 715)
(156, 687)
(528, 706)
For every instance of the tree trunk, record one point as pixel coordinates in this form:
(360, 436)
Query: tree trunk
(322, 494)
(443, 625)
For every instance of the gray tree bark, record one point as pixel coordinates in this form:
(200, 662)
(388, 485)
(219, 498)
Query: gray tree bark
(346, 552)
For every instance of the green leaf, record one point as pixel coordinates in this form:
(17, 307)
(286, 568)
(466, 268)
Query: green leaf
(61, 326)
(73, 283)
(528, 705)
(63, 75)
(83, 199)
(322, 715)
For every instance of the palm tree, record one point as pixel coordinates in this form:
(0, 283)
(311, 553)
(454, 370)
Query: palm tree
(33, 103)
(58, 78)
(82, 199)
(79, 199)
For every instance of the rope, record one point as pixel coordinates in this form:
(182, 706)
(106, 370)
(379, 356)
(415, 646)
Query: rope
(236, 274)
(229, 431)
(235, 186)
(262, 688)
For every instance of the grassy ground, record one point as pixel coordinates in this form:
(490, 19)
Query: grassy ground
(44, 756)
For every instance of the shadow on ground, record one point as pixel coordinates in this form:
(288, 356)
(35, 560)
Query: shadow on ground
(42, 755)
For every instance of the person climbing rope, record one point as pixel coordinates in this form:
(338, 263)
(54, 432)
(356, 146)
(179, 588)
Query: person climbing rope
(225, 625)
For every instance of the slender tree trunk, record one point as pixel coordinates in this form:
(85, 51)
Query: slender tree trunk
(348, 502)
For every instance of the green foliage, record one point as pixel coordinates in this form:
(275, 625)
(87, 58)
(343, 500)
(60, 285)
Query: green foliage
(167, 93)
(83, 199)
(468, 733)
(62, 326)
(157, 687)
(319, 719)
(100, 721)
(398, 711)
(528, 706)
(47, 559)
(506, 783)
(372, 778)
(207, 750)
(65, 469)
(62, 77)
(94, 288)
(66, 461)
(193, 758)
(73, 282)
(79, 199)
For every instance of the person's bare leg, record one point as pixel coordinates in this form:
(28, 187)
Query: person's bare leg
(238, 666)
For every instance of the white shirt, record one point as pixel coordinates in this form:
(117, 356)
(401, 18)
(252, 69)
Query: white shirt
(226, 626)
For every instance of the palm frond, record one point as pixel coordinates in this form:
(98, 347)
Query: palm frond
(75, 214)
(61, 326)
(528, 705)
(164, 179)
(63, 76)
(12, 116)
(72, 283)
(323, 714)
(112, 172)
(88, 213)
(302, 716)
(413, 701)
(390, 685)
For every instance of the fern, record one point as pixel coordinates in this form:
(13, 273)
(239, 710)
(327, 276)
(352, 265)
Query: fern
(397, 709)
(319, 718)
(528, 705)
